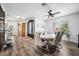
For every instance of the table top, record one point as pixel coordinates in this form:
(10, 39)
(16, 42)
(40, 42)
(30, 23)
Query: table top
(48, 36)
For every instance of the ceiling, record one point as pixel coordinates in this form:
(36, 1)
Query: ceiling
(35, 9)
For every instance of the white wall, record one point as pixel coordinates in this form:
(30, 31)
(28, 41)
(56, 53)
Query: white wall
(74, 27)
(15, 27)
(39, 25)
(50, 26)
(14, 23)
(44, 25)
(73, 22)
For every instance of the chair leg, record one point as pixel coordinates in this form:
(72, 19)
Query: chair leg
(58, 50)
(47, 48)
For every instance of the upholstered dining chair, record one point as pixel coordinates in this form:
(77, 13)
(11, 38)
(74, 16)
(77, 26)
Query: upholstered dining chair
(57, 40)
(55, 44)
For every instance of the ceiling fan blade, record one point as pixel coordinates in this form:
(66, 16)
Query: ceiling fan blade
(56, 13)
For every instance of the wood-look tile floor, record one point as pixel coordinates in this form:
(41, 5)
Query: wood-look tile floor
(26, 47)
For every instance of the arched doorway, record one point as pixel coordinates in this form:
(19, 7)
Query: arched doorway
(31, 28)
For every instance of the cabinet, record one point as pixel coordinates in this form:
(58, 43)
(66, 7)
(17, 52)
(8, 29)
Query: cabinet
(2, 28)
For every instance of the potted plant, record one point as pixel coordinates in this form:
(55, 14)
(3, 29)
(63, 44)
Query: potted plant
(65, 29)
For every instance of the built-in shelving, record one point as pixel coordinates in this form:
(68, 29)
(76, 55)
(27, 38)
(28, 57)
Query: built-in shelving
(2, 28)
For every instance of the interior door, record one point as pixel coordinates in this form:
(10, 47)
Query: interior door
(23, 29)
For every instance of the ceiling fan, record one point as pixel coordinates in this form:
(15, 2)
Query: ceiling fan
(50, 14)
